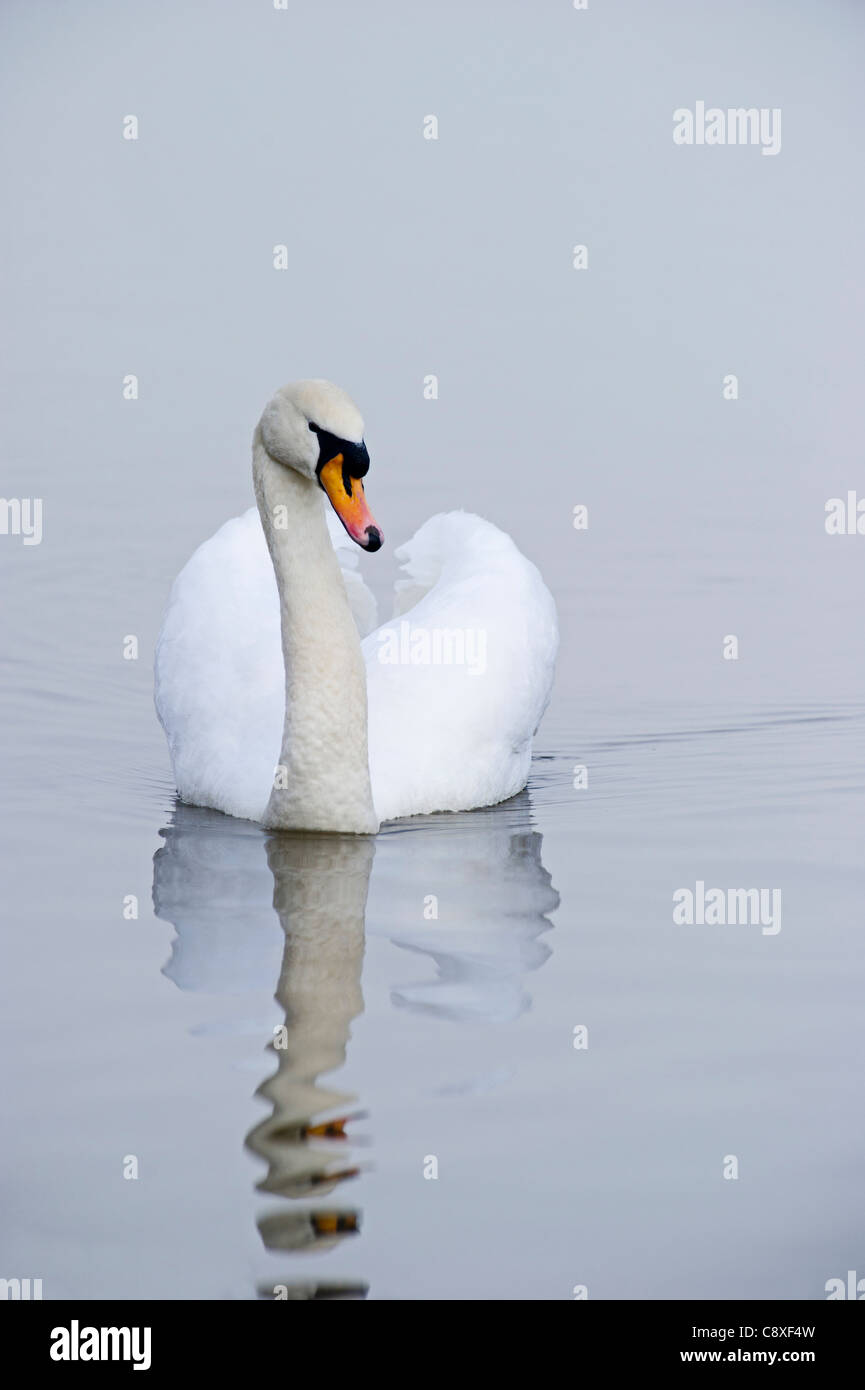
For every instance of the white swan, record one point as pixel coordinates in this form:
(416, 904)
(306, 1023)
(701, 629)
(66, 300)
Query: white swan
(260, 680)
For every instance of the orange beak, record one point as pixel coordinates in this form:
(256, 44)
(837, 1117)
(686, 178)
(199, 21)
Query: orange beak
(348, 501)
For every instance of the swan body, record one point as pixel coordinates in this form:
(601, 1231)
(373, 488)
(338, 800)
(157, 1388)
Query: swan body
(276, 711)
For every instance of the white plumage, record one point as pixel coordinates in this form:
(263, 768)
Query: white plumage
(441, 737)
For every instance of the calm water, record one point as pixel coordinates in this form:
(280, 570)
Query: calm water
(449, 1038)
(410, 1038)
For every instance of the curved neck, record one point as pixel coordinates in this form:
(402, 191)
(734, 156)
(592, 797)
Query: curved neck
(322, 781)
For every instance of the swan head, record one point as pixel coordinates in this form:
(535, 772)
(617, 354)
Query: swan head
(315, 428)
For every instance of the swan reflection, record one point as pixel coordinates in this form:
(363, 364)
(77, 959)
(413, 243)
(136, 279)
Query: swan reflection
(220, 881)
(320, 887)
(492, 896)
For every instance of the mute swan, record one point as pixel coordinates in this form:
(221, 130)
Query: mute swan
(260, 682)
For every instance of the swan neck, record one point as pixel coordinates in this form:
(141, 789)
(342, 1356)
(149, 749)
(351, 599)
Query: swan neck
(322, 779)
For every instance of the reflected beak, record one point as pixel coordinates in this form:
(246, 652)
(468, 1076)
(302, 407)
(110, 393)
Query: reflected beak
(348, 501)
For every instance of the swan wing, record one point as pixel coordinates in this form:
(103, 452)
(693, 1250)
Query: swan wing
(458, 680)
(219, 676)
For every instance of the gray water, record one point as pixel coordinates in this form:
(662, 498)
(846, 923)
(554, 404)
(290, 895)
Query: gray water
(449, 1038)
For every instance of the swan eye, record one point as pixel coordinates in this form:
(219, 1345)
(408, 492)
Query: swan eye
(355, 457)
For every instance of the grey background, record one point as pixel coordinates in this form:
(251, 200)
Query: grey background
(557, 387)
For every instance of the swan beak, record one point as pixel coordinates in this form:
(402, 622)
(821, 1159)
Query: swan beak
(347, 498)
